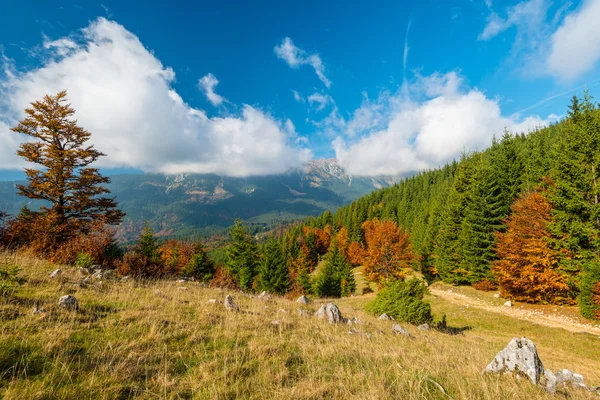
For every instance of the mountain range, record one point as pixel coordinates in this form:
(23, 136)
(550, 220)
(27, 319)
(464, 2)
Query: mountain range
(192, 204)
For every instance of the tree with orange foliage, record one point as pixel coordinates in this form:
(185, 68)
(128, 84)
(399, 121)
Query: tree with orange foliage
(355, 254)
(527, 267)
(341, 238)
(388, 252)
(65, 180)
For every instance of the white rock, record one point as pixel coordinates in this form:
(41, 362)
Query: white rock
(56, 273)
(321, 312)
(399, 330)
(276, 322)
(385, 317)
(229, 304)
(497, 295)
(520, 356)
(333, 314)
(68, 302)
(212, 301)
(303, 300)
(424, 327)
(508, 304)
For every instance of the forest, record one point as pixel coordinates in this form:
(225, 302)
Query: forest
(521, 217)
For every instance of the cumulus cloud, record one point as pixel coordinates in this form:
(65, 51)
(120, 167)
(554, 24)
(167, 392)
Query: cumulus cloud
(123, 95)
(295, 57)
(395, 135)
(321, 100)
(575, 45)
(207, 84)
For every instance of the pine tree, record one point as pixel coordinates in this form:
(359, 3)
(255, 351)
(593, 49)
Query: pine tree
(242, 255)
(336, 278)
(273, 272)
(65, 180)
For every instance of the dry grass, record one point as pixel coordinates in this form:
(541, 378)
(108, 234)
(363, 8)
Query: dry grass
(163, 340)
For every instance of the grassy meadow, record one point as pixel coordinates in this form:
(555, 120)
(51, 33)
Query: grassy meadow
(165, 340)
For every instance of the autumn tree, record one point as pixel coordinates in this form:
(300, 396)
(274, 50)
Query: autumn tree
(65, 179)
(527, 267)
(388, 251)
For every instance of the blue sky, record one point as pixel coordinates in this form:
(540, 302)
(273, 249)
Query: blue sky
(247, 88)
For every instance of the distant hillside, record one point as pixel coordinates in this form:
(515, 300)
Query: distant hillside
(189, 204)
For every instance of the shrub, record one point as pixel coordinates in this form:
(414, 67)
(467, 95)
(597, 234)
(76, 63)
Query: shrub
(84, 260)
(200, 267)
(403, 300)
(223, 279)
(98, 245)
(485, 285)
(367, 290)
(139, 266)
(9, 278)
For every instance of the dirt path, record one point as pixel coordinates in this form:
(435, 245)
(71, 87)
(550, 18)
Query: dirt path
(527, 314)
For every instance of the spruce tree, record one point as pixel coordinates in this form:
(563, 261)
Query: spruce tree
(273, 272)
(242, 255)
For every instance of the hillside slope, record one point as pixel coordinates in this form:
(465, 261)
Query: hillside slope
(166, 340)
(196, 204)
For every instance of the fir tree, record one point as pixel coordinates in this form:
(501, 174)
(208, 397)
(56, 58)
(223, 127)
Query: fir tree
(273, 272)
(242, 255)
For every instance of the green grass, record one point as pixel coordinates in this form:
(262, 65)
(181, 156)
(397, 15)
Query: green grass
(155, 340)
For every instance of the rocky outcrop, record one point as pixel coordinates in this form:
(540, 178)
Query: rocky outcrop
(333, 314)
(519, 356)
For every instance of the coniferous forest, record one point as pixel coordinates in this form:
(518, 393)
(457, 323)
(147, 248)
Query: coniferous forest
(521, 216)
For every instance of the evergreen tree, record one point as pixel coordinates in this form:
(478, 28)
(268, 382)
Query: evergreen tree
(200, 266)
(242, 255)
(147, 244)
(273, 272)
(336, 278)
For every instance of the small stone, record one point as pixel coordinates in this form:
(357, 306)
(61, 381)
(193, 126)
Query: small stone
(385, 317)
(212, 301)
(56, 273)
(353, 321)
(400, 330)
(276, 322)
(564, 377)
(508, 304)
(125, 278)
(281, 310)
(497, 295)
(550, 381)
(303, 300)
(68, 302)
(321, 312)
(424, 327)
(181, 288)
(520, 356)
(229, 304)
(108, 274)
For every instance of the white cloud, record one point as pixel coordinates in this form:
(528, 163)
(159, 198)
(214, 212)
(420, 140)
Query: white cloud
(322, 100)
(575, 46)
(527, 15)
(123, 95)
(296, 57)
(298, 97)
(207, 84)
(395, 135)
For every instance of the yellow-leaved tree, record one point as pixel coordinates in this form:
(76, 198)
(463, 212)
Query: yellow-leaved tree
(71, 188)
